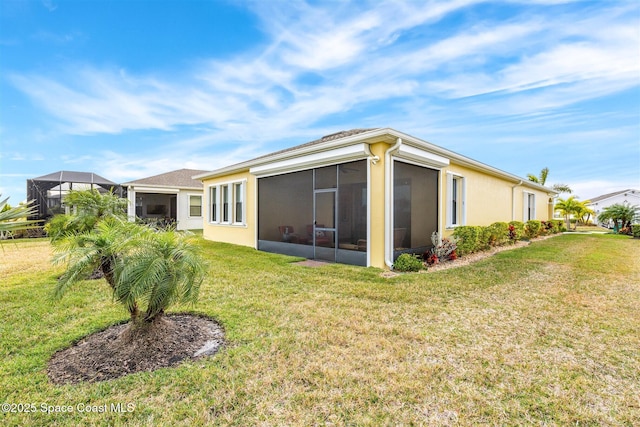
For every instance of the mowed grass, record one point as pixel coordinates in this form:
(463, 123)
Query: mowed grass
(545, 335)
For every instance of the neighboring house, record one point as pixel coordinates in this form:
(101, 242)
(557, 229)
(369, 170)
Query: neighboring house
(361, 197)
(624, 197)
(48, 191)
(172, 197)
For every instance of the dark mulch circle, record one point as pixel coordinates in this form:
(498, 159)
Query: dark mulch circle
(118, 350)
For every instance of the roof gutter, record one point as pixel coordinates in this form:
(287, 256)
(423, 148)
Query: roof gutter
(388, 217)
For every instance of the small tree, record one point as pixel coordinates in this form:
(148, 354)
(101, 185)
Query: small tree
(146, 270)
(88, 208)
(584, 212)
(622, 215)
(15, 218)
(567, 208)
(573, 207)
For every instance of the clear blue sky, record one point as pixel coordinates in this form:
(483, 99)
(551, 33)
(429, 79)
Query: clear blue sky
(129, 89)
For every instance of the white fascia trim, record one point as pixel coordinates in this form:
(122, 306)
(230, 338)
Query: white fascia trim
(421, 157)
(159, 190)
(365, 137)
(314, 160)
(377, 135)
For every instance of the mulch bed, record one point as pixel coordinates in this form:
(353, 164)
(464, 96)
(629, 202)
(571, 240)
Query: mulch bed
(117, 351)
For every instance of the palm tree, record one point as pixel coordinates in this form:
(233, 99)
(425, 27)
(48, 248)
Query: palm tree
(622, 215)
(99, 249)
(166, 269)
(542, 179)
(89, 207)
(146, 270)
(572, 206)
(15, 218)
(584, 212)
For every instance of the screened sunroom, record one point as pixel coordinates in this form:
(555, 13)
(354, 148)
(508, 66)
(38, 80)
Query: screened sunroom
(49, 191)
(317, 213)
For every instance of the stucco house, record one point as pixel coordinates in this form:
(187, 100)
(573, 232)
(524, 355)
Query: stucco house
(624, 197)
(361, 197)
(173, 197)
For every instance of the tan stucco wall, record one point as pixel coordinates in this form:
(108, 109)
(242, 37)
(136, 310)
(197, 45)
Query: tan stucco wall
(237, 234)
(377, 206)
(490, 198)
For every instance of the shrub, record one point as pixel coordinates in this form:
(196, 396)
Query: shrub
(431, 258)
(60, 225)
(625, 230)
(636, 230)
(558, 225)
(533, 228)
(408, 262)
(516, 231)
(498, 233)
(441, 250)
(468, 239)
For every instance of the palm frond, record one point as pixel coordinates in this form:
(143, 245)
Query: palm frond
(15, 218)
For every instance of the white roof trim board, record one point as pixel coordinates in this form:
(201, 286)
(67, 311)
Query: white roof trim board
(301, 157)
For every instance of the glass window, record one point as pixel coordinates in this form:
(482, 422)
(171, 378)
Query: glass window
(213, 200)
(238, 198)
(455, 200)
(529, 206)
(415, 206)
(195, 205)
(224, 189)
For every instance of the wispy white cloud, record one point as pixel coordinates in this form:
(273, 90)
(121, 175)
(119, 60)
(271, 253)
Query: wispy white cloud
(49, 5)
(319, 62)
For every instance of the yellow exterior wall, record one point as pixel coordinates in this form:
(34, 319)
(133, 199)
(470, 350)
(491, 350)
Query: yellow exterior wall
(377, 206)
(490, 199)
(237, 234)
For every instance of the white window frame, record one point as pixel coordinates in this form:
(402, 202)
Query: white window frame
(214, 208)
(225, 201)
(189, 196)
(238, 197)
(526, 205)
(459, 182)
(231, 188)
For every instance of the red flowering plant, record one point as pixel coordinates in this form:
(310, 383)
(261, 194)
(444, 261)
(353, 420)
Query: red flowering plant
(443, 250)
(431, 258)
(513, 234)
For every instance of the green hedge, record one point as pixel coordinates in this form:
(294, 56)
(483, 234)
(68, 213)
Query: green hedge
(498, 233)
(469, 239)
(533, 228)
(408, 262)
(473, 238)
(518, 230)
(635, 230)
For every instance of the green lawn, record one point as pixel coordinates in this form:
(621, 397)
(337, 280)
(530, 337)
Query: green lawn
(545, 335)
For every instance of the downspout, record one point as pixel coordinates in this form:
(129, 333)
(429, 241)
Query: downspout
(552, 202)
(513, 200)
(370, 156)
(388, 226)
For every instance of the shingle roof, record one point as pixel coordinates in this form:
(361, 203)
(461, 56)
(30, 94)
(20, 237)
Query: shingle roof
(77, 177)
(180, 178)
(609, 195)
